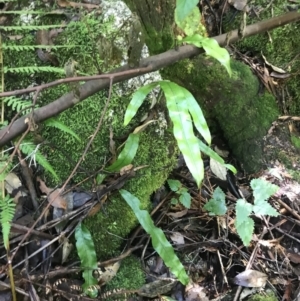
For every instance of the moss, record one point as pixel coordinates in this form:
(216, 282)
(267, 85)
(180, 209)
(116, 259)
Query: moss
(280, 48)
(117, 220)
(157, 153)
(234, 104)
(269, 296)
(289, 162)
(295, 141)
(129, 277)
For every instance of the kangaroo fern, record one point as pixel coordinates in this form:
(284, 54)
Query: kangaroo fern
(7, 207)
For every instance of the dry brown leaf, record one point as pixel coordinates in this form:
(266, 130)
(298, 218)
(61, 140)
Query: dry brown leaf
(63, 3)
(251, 278)
(12, 182)
(110, 273)
(178, 214)
(157, 287)
(53, 196)
(66, 3)
(15, 37)
(177, 238)
(293, 257)
(124, 170)
(112, 146)
(195, 292)
(143, 126)
(218, 169)
(98, 206)
(56, 200)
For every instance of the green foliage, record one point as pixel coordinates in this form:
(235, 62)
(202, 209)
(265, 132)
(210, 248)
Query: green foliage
(266, 295)
(130, 276)
(32, 152)
(182, 192)
(28, 27)
(244, 224)
(137, 99)
(262, 190)
(191, 25)
(159, 241)
(184, 8)
(295, 141)
(211, 48)
(187, 17)
(185, 113)
(53, 122)
(18, 104)
(109, 226)
(86, 252)
(216, 205)
(7, 211)
(32, 69)
(211, 153)
(127, 154)
(18, 48)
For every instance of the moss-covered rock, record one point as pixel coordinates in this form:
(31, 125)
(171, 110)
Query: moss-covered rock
(269, 296)
(234, 104)
(108, 228)
(280, 48)
(82, 41)
(129, 277)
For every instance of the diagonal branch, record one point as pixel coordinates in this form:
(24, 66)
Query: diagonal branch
(123, 73)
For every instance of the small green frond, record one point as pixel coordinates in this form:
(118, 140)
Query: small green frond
(33, 47)
(28, 27)
(18, 104)
(7, 207)
(87, 254)
(17, 47)
(159, 240)
(127, 154)
(34, 69)
(61, 126)
(32, 152)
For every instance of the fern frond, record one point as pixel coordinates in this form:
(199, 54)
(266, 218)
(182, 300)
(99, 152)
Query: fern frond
(18, 104)
(29, 27)
(32, 152)
(33, 47)
(52, 122)
(7, 207)
(34, 69)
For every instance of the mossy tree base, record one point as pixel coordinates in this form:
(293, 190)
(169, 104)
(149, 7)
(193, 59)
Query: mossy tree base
(235, 105)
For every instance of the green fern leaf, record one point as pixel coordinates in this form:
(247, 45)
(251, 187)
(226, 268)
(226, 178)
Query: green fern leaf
(28, 27)
(30, 70)
(31, 150)
(17, 47)
(7, 207)
(18, 104)
(33, 47)
(61, 126)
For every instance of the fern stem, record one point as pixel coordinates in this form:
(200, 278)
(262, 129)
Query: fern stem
(11, 277)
